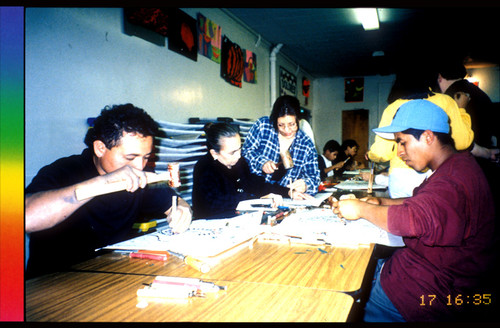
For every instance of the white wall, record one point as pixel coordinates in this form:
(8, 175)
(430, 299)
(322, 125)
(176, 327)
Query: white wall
(329, 101)
(489, 81)
(78, 60)
(329, 104)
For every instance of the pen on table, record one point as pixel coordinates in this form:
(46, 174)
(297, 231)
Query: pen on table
(192, 262)
(205, 286)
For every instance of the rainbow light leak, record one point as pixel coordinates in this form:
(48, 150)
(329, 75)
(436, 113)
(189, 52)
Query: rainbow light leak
(12, 164)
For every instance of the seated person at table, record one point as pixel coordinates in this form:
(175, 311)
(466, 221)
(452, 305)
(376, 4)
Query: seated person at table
(278, 133)
(447, 225)
(221, 178)
(330, 153)
(64, 230)
(348, 151)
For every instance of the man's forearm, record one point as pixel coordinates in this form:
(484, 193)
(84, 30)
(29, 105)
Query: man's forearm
(376, 214)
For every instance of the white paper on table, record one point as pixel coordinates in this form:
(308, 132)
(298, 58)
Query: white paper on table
(323, 224)
(357, 185)
(318, 199)
(204, 238)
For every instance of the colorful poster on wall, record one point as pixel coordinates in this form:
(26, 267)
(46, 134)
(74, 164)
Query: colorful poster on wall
(250, 72)
(353, 88)
(209, 38)
(231, 67)
(288, 83)
(155, 19)
(182, 34)
(306, 88)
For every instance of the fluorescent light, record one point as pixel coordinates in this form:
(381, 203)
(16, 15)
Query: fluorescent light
(368, 17)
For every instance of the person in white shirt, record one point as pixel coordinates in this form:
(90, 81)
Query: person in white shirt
(330, 152)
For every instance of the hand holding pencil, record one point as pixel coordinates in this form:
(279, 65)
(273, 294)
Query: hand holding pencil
(179, 215)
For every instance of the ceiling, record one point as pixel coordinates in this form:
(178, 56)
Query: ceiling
(330, 42)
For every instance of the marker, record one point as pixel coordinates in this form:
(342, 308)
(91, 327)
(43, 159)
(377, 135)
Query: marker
(342, 266)
(149, 256)
(192, 262)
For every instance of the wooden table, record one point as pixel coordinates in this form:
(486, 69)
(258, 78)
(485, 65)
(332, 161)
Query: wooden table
(267, 281)
(333, 268)
(111, 297)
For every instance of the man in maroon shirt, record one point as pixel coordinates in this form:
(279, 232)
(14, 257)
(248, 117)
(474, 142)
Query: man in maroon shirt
(447, 226)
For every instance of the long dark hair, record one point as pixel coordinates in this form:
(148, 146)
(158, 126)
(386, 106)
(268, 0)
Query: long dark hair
(215, 131)
(412, 83)
(283, 106)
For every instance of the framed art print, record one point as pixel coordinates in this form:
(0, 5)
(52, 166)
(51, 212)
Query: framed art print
(353, 89)
(182, 34)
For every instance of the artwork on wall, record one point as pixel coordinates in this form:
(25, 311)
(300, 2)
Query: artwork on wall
(250, 72)
(353, 89)
(209, 38)
(306, 88)
(182, 34)
(231, 68)
(288, 83)
(155, 19)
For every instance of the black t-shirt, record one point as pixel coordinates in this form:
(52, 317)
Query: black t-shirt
(217, 190)
(102, 221)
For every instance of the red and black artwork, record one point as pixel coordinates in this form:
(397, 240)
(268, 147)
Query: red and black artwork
(306, 88)
(182, 34)
(155, 19)
(232, 62)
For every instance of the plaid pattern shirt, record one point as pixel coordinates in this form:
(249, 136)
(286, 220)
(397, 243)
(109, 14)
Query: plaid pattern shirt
(262, 145)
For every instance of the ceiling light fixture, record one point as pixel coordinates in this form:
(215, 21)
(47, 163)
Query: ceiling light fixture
(368, 17)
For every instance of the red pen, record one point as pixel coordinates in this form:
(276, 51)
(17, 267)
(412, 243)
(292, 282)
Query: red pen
(157, 257)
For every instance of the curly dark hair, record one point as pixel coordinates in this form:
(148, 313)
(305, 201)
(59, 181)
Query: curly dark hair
(113, 121)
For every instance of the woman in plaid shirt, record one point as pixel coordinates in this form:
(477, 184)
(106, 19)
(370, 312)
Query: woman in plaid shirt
(280, 132)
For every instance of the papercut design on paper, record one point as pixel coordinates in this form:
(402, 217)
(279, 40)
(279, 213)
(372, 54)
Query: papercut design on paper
(288, 83)
(306, 88)
(209, 38)
(250, 71)
(155, 19)
(182, 34)
(231, 62)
